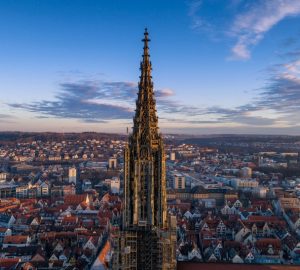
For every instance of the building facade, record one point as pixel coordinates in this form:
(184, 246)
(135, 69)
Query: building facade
(148, 235)
(178, 181)
(72, 175)
(115, 185)
(112, 163)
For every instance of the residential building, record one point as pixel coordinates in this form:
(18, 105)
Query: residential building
(178, 181)
(72, 175)
(115, 185)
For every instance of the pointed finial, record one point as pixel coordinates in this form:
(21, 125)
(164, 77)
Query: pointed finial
(146, 39)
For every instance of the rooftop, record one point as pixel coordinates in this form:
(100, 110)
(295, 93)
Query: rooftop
(226, 266)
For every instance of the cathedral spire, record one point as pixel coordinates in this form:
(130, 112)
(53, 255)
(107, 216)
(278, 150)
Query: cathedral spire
(146, 231)
(145, 121)
(145, 176)
(146, 64)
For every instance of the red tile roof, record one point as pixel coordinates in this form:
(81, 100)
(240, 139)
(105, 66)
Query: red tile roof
(271, 219)
(3, 229)
(74, 199)
(8, 263)
(15, 239)
(265, 242)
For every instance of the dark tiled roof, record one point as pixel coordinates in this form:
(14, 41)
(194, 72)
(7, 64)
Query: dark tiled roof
(4, 218)
(226, 266)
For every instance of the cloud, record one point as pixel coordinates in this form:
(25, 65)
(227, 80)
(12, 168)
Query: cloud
(282, 94)
(214, 115)
(277, 104)
(101, 101)
(250, 26)
(197, 21)
(91, 101)
(86, 101)
(99, 89)
(93, 121)
(199, 12)
(165, 92)
(171, 106)
(7, 118)
(278, 101)
(95, 101)
(239, 115)
(243, 22)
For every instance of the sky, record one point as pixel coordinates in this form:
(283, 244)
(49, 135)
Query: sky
(218, 66)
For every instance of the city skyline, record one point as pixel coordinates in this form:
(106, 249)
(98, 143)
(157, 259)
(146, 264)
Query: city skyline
(219, 68)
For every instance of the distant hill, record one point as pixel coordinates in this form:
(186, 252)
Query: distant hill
(6, 137)
(243, 138)
(248, 143)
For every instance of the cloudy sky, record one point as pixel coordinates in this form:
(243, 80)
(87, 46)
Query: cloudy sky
(218, 66)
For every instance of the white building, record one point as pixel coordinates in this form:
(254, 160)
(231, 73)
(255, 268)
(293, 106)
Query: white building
(115, 185)
(244, 183)
(260, 192)
(44, 189)
(22, 191)
(3, 176)
(72, 175)
(112, 163)
(172, 156)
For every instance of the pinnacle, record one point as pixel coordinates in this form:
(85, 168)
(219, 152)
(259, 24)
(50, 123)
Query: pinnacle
(145, 117)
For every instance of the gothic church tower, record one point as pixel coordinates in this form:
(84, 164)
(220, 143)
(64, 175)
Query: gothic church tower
(144, 172)
(147, 240)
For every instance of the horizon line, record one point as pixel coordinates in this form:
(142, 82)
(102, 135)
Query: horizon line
(173, 134)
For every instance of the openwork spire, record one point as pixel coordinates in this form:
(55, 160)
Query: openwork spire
(145, 120)
(144, 170)
(146, 64)
(146, 231)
